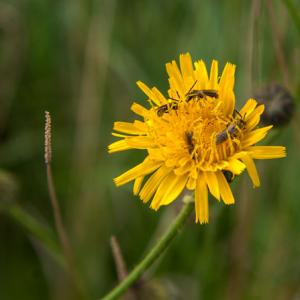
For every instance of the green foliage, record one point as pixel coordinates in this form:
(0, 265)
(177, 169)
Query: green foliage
(80, 61)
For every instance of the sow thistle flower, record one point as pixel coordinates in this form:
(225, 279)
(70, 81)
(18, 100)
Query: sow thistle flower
(193, 137)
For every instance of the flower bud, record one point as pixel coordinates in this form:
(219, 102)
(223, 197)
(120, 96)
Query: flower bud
(279, 104)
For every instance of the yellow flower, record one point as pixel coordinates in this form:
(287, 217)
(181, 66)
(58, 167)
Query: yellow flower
(193, 138)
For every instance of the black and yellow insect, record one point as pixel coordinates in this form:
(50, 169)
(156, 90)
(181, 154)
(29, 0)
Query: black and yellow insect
(161, 110)
(231, 130)
(190, 141)
(200, 94)
(191, 94)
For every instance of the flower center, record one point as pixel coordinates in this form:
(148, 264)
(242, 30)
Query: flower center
(196, 131)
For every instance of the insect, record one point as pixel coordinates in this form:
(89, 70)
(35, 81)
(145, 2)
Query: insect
(191, 94)
(166, 107)
(201, 94)
(231, 130)
(228, 175)
(190, 141)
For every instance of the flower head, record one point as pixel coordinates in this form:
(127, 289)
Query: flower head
(193, 137)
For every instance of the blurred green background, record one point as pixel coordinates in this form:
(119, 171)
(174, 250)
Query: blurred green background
(80, 61)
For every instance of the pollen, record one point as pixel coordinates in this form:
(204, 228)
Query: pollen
(193, 136)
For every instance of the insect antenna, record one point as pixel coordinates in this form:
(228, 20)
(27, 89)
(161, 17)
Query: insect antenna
(192, 87)
(236, 112)
(173, 99)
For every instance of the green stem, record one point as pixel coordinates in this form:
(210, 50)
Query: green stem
(293, 11)
(154, 253)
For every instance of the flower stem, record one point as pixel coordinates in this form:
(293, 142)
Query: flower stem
(162, 244)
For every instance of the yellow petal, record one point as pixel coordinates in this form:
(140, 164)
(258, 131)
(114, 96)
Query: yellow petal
(183, 169)
(153, 182)
(170, 187)
(186, 66)
(248, 108)
(175, 190)
(144, 168)
(127, 127)
(225, 190)
(184, 160)
(236, 166)
(119, 135)
(171, 162)
(140, 142)
(254, 118)
(142, 126)
(118, 146)
(226, 89)
(148, 92)
(228, 104)
(137, 184)
(156, 154)
(178, 89)
(139, 110)
(175, 78)
(201, 74)
(212, 182)
(201, 201)
(239, 154)
(252, 171)
(191, 184)
(159, 96)
(174, 94)
(267, 152)
(227, 77)
(254, 136)
(222, 164)
(173, 70)
(214, 75)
